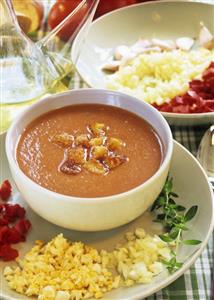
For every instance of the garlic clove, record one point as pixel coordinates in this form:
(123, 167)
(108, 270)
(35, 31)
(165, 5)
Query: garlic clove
(164, 44)
(121, 51)
(111, 66)
(184, 43)
(206, 39)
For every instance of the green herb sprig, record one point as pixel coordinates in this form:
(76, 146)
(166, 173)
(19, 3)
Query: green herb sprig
(174, 218)
(172, 265)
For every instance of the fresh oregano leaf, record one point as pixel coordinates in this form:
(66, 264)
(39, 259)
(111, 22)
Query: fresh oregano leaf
(174, 195)
(174, 233)
(190, 213)
(191, 242)
(173, 217)
(180, 208)
(161, 216)
(166, 238)
(168, 186)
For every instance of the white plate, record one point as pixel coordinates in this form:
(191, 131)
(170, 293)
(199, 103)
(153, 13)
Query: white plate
(165, 19)
(190, 182)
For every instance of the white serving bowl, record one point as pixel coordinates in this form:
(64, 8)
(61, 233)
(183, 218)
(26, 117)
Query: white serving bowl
(155, 19)
(90, 214)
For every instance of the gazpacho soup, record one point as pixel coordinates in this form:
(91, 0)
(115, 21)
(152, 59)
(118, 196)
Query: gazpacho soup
(89, 150)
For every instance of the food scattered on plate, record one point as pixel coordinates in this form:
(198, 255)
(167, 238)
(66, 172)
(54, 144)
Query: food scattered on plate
(157, 71)
(61, 269)
(13, 224)
(77, 271)
(89, 150)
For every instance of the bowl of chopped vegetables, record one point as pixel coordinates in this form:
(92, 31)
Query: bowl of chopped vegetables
(155, 57)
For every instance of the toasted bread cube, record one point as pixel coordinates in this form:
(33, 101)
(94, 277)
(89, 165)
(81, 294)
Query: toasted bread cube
(115, 161)
(98, 141)
(77, 155)
(114, 143)
(70, 168)
(94, 166)
(63, 139)
(98, 129)
(83, 140)
(99, 152)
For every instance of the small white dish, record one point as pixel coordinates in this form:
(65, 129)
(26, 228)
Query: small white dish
(159, 19)
(105, 212)
(189, 181)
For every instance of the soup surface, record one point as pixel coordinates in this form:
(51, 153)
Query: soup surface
(41, 158)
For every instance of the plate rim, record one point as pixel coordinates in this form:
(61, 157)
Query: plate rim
(187, 264)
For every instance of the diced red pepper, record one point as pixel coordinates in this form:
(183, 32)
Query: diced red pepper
(23, 226)
(5, 190)
(198, 99)
(14, 211)
(11, 233)
(8, 253)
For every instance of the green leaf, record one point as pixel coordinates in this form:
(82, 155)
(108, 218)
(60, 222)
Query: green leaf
(171, 201)
(174, 233)
(191, 242)
(154, 205)
(165, 238)
(180, 208)
(160, 201)
(172, 265)
(174, 195)
(190, 213)
(161, 216)
(181, 226)
(168, 185)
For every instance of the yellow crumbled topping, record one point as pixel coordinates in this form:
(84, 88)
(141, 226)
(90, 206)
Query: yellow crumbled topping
(61, 270)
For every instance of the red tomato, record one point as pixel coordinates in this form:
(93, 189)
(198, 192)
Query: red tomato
(60, 10)
(108, 5)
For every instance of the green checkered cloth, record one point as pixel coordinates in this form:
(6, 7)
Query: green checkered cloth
(196, 283)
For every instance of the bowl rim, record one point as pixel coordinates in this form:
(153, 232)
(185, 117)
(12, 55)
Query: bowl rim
(197, 2)
(11, 153)
(165, 114)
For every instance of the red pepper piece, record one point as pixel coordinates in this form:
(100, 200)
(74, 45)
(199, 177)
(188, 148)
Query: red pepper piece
(8, 253)
(22, 226)
(4, 221)
(5, 190)
(14, 211)
(13, 236)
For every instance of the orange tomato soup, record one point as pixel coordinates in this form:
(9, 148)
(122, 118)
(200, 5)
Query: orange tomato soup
(41, 158)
